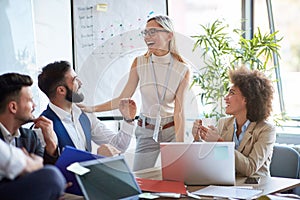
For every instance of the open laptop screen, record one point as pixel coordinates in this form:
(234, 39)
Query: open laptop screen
(109, 178)
(203, 163)
(71, 155)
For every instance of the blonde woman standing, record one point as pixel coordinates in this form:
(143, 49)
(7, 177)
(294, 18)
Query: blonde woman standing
(163, 79)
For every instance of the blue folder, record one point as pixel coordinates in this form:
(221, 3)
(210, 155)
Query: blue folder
(68, 156)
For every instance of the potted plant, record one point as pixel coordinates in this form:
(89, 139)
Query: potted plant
(223, 50)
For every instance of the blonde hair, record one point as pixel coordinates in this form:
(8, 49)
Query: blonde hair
(166, 23)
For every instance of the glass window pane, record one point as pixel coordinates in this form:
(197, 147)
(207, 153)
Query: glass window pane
(187, 17)
(285, 15)
(189, 14)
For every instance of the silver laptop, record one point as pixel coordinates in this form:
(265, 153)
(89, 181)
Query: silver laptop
(199, 163)
(109, 178)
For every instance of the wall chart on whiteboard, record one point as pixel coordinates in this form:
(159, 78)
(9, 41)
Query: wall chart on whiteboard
(106, 40)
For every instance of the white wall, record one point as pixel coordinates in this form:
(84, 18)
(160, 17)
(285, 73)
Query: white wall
(53, 30)
(53, 37)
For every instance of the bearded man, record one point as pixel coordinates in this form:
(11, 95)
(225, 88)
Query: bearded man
(72, 126)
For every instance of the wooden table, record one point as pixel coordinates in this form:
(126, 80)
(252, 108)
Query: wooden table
(268, 185)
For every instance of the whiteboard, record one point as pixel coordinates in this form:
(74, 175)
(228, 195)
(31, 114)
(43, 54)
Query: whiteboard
(107, 38)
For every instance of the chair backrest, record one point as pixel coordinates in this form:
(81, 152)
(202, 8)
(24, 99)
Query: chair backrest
(285, 162)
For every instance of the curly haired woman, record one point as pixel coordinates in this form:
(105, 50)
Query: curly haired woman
(249, 102)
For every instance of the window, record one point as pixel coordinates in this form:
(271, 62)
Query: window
(193, 13)
(289, 63)
(189, 14)
(32, 36)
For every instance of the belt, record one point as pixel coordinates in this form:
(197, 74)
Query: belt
(152, 126)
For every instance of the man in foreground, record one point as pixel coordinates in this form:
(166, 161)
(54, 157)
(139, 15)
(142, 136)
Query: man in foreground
(22, 175)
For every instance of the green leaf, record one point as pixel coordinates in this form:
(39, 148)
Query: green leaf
(221, 53)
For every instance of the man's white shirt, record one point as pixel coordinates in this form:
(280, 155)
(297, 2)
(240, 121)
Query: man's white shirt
(99, 132)
(13, 161)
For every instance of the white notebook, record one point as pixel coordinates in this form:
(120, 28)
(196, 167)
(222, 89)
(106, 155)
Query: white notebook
(228, 192)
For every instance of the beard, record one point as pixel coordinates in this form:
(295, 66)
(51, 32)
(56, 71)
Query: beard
(25, 119)
(74, 97)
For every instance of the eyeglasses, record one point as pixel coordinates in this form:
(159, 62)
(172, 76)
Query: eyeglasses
(152, 31)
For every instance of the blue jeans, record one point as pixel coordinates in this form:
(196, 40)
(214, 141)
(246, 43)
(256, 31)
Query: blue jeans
(45, 184)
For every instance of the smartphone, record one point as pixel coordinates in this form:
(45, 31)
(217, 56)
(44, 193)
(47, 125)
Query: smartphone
(252, 180)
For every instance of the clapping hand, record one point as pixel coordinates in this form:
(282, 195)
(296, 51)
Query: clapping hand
(107, 150)
(209, 133)
(128, 108)
(196, 129)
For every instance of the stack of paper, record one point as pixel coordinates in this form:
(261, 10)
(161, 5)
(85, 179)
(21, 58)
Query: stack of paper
(228, 192)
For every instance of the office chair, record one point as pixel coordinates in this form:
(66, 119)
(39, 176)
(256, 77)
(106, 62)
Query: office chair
(285, 163)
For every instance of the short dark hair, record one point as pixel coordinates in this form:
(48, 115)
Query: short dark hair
(52, 76)
(258, 91)
(10, 87)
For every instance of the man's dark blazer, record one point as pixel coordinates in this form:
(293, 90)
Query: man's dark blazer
(32, 144)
